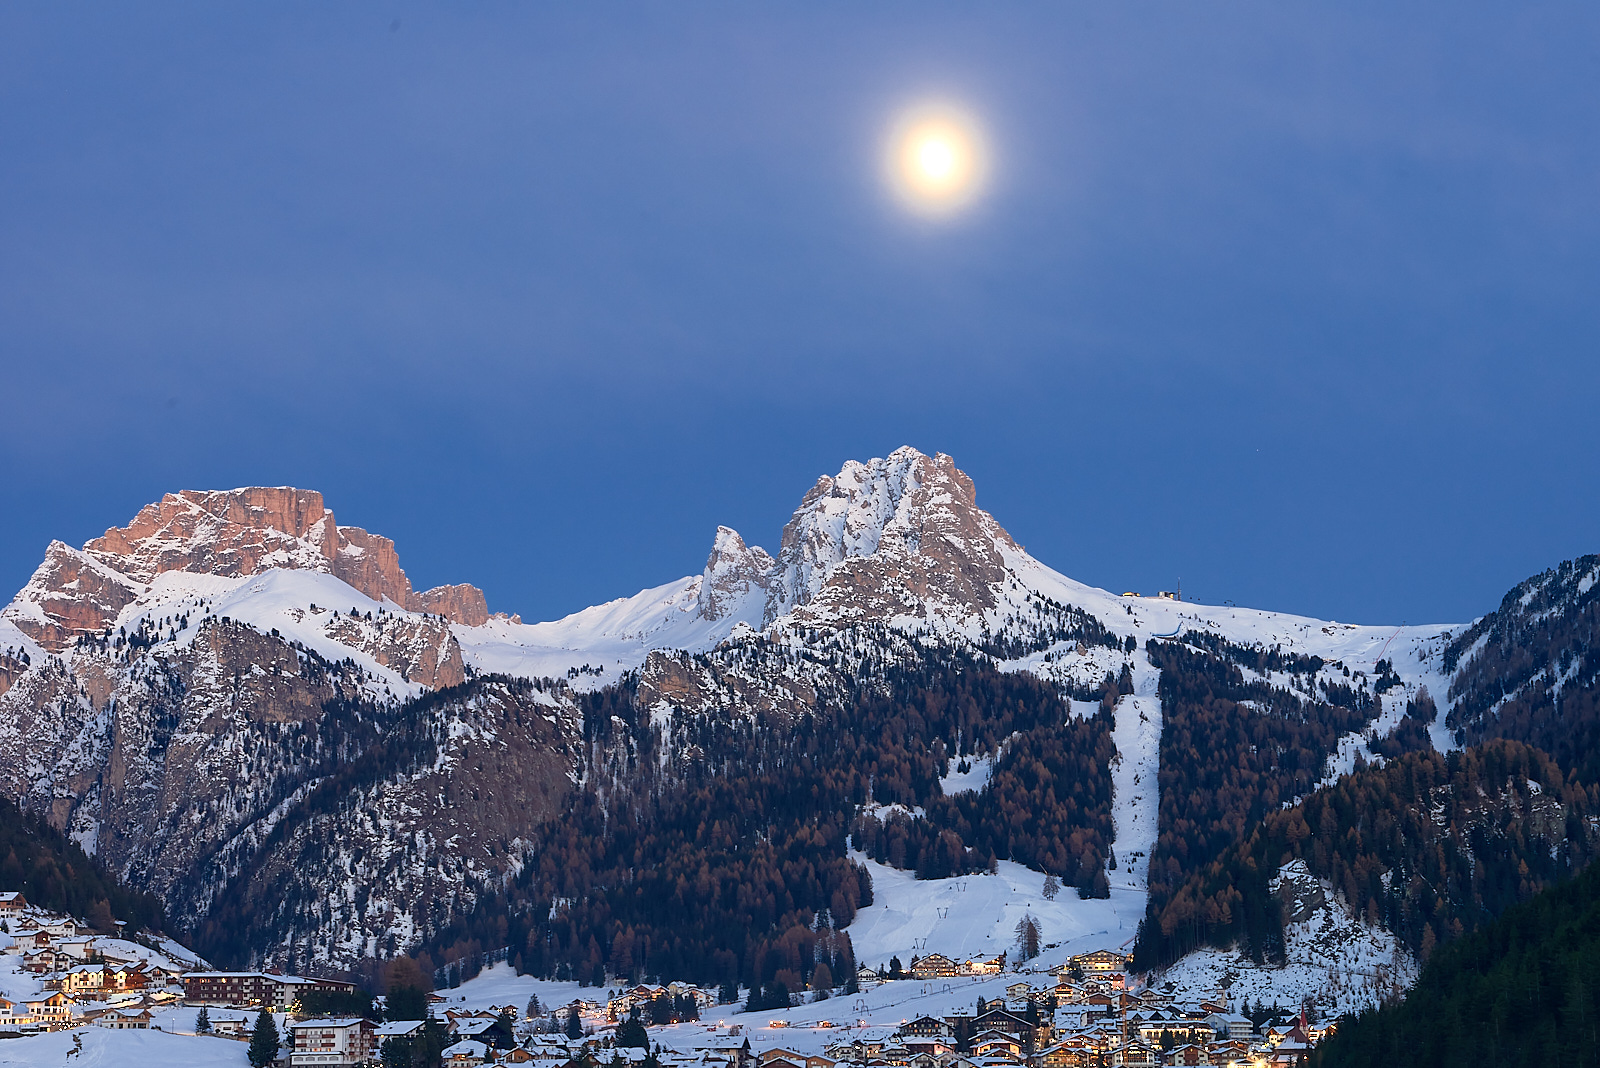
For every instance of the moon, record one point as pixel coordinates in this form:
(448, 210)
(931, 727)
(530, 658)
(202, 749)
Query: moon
(936, 160)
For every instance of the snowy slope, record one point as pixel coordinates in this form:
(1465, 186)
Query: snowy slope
(613, 637)
(295, 604)
(595, 646)
(1335, 958)
(977, 916)
(96, 1047)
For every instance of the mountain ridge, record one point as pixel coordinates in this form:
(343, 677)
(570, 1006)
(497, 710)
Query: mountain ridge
(219, 660)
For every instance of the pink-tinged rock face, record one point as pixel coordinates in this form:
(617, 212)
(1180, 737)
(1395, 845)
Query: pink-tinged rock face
(70, 594)
(222, 532)
(462, 603)
(230, 533)
(11, 670)
(369, 563)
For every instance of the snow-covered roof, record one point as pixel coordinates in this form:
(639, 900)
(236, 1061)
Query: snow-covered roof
(397, 1028)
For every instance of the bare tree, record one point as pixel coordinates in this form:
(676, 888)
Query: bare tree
(1028, 937)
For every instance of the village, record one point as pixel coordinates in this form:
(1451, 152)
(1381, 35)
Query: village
(1089, 1012)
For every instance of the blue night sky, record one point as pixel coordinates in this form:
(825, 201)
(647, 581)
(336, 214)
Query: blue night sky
(1296, 303)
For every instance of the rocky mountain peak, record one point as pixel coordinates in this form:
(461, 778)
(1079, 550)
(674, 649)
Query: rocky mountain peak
(734, 574)
(228, 533)
(896, 537)
(222, 532)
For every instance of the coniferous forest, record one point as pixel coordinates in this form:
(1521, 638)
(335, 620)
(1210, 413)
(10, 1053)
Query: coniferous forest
(737, 873)
(1522, 991)
(1430, 845)
(1531, 669)
(1232, 752)
(52, 871)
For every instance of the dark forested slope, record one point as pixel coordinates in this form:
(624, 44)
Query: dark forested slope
(52, 872)
(1432, 846)
(1531, 669)
(1233, 750)
(1523, 991)
(736, 870)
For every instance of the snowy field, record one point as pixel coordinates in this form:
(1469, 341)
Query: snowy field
(16, 984)
(500, 985)
(97, 1047)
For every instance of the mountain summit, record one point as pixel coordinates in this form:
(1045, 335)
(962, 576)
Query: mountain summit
(222, 533)
(901, 538)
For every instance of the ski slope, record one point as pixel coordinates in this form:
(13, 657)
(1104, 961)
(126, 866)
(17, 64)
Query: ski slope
(977, 916)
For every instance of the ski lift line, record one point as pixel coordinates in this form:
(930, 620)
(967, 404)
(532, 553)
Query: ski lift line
(1392, 637)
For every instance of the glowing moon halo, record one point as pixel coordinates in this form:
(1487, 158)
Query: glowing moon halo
(936, 160)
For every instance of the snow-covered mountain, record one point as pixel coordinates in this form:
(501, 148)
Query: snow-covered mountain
(185, 693)
(898, 541)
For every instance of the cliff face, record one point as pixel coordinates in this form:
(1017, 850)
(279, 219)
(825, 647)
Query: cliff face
(70, 594)
(461, 603)
(158, 764)
(225, 534)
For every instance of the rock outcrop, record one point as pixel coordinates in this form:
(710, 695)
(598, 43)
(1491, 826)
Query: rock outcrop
(462, 604)
(422, 650)
(69, 595)
(11, 669)
(735, 573)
